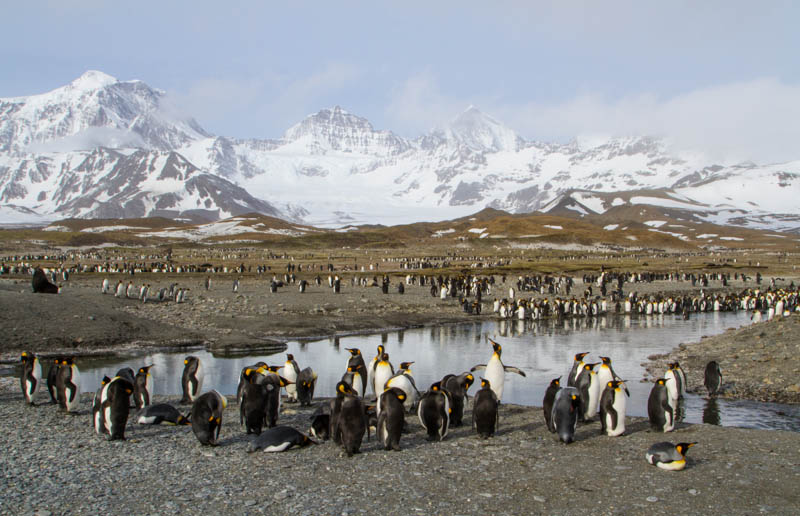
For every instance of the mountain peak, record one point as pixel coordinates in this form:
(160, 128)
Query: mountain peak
(480, 132)
(93, 80)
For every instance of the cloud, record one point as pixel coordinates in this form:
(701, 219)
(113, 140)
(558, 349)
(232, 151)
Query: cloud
(757, 120)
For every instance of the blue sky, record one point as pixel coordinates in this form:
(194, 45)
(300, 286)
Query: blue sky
(718, 77)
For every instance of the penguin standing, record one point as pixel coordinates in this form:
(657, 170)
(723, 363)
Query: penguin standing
(612, 409)
(383, 371)
(605, 373)
(485, 413)
(243, 377)
(577, 367)
(207, 417)
(52, 375)
(306, 382)
(115, 404)
(679, 370)
(290, 372)
(279, 439)
(342, 389)
(674, 386)
(273, 384)
(371, 371)
(565, 413)
(253, 401)
(351, 423)
(458, 386)
(665, 455)
(142, 387)
(161, 413)
(404, 380)
(31, 376)
(713, 378)
(192, 378)
(590, 391)
(549, 400)
(68, 385)
(434, 412)
(659, 407)
(391, 418)
(356, 362)
(98, 415)
(496, 371)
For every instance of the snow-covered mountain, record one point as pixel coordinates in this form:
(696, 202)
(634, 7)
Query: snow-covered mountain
(101, 147)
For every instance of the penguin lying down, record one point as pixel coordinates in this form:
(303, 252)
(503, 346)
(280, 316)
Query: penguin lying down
(278, 439)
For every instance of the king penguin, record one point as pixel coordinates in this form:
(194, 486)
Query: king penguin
(674, 386)
(577, 367)
(192, 378)
(207, 417)
(496, 371)
(383, 371)
(278, 439)
(549, 400)
(31, 376)
(404, 380)
(391, 418)
(565, 413)
(356, 362)
(68, 385)
(434, 412)
(659, 407)
(371, 372)
(590, 391)
(290, 372)
(485, 413)
(161, 413)
(713, 378)
(52, 375)
(671, 457)
(143, 387)
(612, 409)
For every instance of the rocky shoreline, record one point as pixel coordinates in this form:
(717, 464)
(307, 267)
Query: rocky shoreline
(758, 361)
(55, 464)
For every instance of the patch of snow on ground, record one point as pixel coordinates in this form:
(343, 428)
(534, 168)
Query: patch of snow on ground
(655, 223)
(707, 235)
(631, 237)
(611, 227)
(484, 235)
(553, 227)
(676, 235)
(56, 228)
(617, 201)
(731, 238)
(477, 230)
(103, 229)
(442, 232)
(347, 229)
(777, 236)
(575, 207)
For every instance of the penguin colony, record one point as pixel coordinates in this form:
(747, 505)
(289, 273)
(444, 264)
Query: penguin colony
(349, 416)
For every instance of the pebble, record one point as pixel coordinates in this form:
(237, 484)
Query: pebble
(652, 499)
(693, 492)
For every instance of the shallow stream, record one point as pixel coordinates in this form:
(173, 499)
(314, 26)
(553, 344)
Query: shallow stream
(544, 350)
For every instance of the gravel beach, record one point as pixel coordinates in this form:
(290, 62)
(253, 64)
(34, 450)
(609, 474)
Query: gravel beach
(54, 463)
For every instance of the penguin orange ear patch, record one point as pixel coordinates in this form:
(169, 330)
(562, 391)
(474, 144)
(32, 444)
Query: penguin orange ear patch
(401, 397)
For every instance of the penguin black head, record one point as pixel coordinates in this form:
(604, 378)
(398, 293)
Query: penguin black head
(682, 448)
(405, 365)
(496, 347)
(343, 388)
(145, 369)
(662, 381)
(105, 380)
(436, 387)
(381, 349)
(272, 368)
(606, 360)
(555, 382)
(24, 356)
(385, 357)
(485, 384)
(468, 381)
(590, 367)
(289, 357)
(354, 351)
(579, 356)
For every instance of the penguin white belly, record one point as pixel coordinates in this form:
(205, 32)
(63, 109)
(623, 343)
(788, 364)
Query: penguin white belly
(107, 420)
(74, 395)
(604, 376)
(404, 383)
(290, 374)
(382, 374)
(277, 447)
(443, 429)
(200, 375)
(594, 396)
(358, 384)
(672, 388)
(496, 375)
(619, 407)
(146, 420)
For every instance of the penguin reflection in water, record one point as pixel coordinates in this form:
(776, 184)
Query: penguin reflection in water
(496, 370)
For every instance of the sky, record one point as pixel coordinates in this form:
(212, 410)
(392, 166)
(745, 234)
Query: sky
(717, 77)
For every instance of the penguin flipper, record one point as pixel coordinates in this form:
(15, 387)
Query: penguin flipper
(511, 369)
(479, 367)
